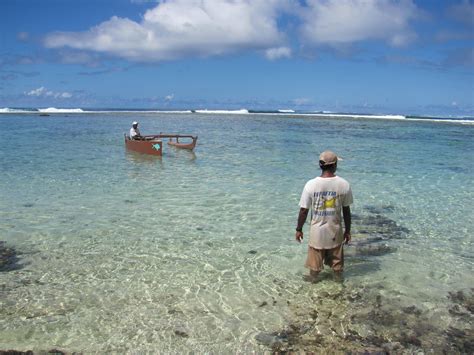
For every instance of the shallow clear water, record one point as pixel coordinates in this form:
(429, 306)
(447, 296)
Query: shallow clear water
(125, 252)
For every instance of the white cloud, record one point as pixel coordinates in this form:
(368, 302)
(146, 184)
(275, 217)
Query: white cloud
(174, 29)
(181, 28)
(37, 92)
(277, 53)
(169, 97)
(340, 22)
(43, 92)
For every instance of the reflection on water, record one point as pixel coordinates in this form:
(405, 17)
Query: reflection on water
(139, 158)
(188, 155)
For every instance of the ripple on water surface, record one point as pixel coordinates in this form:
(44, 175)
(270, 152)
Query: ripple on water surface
(108, 250)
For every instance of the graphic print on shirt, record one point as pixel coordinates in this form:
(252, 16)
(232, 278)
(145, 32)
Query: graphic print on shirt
(324, 203)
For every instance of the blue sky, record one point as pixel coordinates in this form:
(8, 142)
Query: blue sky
(379, 56)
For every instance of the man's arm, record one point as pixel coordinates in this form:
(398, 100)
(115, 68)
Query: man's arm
(346, 214)
(301, 220)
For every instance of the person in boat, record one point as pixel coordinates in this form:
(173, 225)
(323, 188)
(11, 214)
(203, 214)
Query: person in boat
(135, 132)
(327, 196)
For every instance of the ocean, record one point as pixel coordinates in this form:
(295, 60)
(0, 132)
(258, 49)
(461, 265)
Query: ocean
(106, 250)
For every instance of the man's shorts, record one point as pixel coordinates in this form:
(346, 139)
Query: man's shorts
(333, 258)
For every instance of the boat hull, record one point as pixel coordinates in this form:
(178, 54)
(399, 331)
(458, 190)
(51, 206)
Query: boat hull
(152, 147)
(188, 146)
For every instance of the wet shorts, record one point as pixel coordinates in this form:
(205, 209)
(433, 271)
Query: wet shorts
(331, 257)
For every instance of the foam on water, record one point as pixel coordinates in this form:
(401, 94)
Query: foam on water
(343, 115)
(317, 114)
(223, 112)
(60, 110)
(16, 110)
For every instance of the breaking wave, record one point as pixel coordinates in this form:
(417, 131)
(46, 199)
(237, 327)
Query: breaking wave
(223, 112)
(279, 112)
(61, 110)
(17, 110)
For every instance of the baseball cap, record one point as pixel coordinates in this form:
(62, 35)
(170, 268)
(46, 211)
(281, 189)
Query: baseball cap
(328, 158)
(134, 123)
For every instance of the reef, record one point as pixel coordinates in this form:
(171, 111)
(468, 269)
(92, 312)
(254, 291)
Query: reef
(30, 352)
(373, 231)
(363, 321)
(370, 319)
(8, 258)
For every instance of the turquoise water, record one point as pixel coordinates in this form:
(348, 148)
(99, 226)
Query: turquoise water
(195, 251)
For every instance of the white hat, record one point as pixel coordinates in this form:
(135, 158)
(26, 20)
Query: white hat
(134, 123)
(328, 158)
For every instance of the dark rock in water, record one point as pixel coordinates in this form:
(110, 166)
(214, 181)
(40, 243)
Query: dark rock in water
(412, 310)
(379, 225)
(462, 302)
(174, 311)
(461, 340)
(457, 333)
(269, 340)
(252, 252)
(410, 340)
(375, 340)
(8, 258)
(380, 210)
(457, 297)
(378, 301)
(392, 347)
(371, 233)
(29, 352)
(28, 205)
(374, 250)
(181, 333)
(264, 303)
(199, 228)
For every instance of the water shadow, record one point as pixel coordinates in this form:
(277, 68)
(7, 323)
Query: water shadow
(141, 159)
(8, 258)
(180, 153)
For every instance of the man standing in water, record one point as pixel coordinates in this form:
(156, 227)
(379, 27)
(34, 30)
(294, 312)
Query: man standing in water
(327, 196)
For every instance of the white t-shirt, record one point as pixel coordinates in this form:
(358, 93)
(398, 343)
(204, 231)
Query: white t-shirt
(134, 132)
(325, 197)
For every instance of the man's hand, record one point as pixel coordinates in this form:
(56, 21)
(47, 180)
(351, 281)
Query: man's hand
(299, 227)
(347, 237)
(299, 236)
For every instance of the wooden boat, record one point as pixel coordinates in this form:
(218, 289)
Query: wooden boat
(177, 144)
(153, 144)
(146, 146)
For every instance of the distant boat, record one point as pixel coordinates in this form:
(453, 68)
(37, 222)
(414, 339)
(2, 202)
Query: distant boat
(153, 144)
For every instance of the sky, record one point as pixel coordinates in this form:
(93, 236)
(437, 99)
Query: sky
(368, 56)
